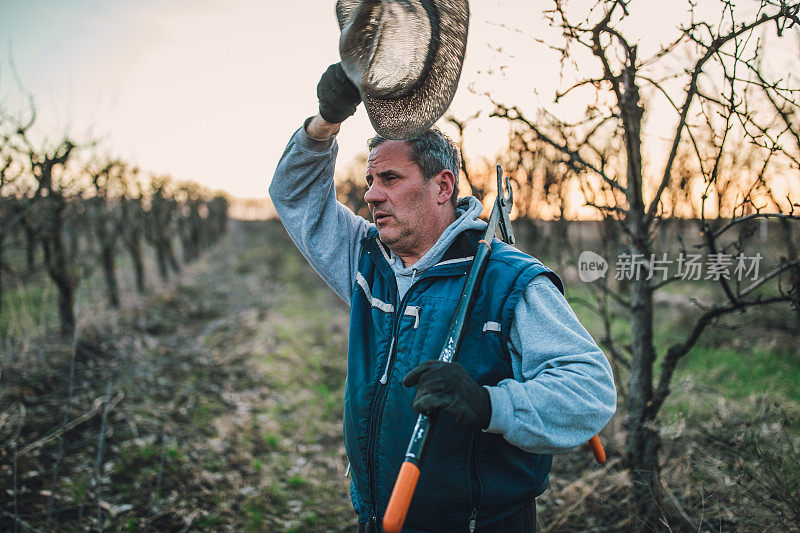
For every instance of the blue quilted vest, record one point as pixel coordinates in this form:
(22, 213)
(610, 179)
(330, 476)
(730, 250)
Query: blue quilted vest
(467, 473)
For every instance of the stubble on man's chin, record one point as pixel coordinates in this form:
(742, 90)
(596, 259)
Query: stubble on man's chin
(393, 242)
(387, 240)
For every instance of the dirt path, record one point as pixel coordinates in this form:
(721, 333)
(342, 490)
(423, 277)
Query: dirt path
(219, 402)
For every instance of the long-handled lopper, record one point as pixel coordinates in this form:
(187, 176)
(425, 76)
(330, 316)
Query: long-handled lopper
(406, 483)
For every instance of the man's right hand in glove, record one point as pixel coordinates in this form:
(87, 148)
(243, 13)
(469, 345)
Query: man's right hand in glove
(449, 388)
(338, 99)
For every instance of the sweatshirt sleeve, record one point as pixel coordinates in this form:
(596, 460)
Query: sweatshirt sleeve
(563, 390)
(327, 233)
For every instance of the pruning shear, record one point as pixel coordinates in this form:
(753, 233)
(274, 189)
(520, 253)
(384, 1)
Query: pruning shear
(503, 204)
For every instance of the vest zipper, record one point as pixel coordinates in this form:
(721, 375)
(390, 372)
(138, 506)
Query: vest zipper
(375, 414)
(473, 519)
(376, 411)
(385, 376)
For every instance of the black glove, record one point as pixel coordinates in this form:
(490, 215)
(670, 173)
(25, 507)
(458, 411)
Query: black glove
(448, 387)
(338, 97)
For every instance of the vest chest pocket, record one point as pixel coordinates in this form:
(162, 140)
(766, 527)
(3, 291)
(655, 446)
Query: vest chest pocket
(491, 326)
(414, 312)
(425, 327)
(482, 353)
(493, 364)
(410, 328)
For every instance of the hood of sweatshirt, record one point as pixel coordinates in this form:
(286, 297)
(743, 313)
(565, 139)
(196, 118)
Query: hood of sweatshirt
(468, 211)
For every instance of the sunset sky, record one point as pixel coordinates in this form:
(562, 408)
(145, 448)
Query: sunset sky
(212, 90)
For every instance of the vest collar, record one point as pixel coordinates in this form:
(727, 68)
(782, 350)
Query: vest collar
(455, 261)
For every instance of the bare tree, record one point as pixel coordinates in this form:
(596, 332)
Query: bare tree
(626, 190)
(159, 226)
(14, 189)
(133, 220)
(10, 212)
(48, 218)
(104, 213)
(217, 220)
(189, 197)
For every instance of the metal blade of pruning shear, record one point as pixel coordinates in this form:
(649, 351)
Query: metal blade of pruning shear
(505, 201)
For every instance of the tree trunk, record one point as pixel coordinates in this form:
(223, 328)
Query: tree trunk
(139, 268)
(109, 264)
(133, 228)
(791, 255)
(560, 236)
(185, 237)
(161, 259)
(134, 247)
(643, 439)
(2, 237)
(196, 228)
(74, 241)
(66, 306)
(30, 248)
(58, 269)
(170, 253)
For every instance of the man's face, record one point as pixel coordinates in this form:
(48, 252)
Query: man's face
(402, 202)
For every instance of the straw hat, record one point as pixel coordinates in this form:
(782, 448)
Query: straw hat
(405, 58)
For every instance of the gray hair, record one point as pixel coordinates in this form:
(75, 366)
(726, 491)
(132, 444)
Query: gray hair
(432, 152)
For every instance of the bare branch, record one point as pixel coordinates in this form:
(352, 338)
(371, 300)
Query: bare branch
(718, 42)
(590, 81)
(752, 216)
(514, 114)
(769, 276)
(677, 351)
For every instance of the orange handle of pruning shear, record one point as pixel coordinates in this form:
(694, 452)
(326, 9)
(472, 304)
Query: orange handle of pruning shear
(407, 479)
(401, 498)
(597, 449)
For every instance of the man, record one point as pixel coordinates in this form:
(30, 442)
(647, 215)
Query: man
(529, 380)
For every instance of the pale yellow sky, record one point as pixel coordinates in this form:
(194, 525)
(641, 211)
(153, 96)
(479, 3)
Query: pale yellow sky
(211, 90)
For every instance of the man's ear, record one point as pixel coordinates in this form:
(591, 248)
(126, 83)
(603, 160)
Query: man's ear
(446, 183)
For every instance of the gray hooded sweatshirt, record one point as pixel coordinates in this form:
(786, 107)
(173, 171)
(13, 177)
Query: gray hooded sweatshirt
(562, 390)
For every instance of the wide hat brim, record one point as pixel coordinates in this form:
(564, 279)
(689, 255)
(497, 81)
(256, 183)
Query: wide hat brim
(410, 115)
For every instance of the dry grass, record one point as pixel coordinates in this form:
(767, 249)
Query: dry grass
(736, 469)
(225, 411)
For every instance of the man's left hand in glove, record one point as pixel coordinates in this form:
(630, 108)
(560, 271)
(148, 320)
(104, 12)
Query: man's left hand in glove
(448, 387)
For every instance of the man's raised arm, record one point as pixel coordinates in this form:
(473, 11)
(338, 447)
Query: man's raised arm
(327, 233)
